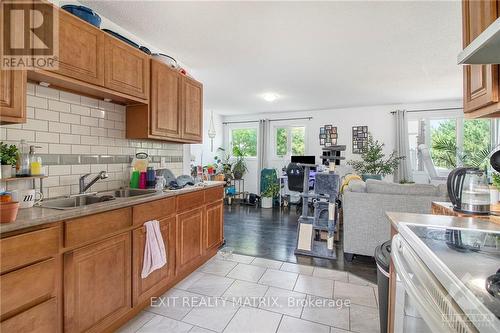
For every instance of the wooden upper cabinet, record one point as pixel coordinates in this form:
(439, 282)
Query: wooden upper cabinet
(192, 110)
(97, 284)
(481, 82)
(164, 101)
(12, 96)
(81, 50)
(145, 288)
(126, 68)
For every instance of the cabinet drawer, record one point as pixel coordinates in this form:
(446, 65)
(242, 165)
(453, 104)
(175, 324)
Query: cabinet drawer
(41, 319)
(190, 200)
(214, 194)
(28, 285)
(153, 210)
(24, 249)
(94, 227)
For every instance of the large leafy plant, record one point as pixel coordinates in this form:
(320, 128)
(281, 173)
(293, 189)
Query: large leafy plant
(452, 157)
(239, 166)
(374, 161)
(8, 154)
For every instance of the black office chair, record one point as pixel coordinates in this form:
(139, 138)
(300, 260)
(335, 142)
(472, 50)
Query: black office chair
(295, 175)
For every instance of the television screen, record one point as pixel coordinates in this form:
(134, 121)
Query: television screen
(304, 160)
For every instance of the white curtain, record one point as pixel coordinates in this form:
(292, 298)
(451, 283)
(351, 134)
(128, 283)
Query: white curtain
(263, 150)
(402, 147)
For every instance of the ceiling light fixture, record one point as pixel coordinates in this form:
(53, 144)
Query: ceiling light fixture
(270, 97)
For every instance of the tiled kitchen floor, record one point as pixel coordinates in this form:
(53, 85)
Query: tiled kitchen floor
(247, 294)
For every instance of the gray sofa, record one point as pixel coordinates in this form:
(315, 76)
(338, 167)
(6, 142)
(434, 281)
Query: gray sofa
(364, 205)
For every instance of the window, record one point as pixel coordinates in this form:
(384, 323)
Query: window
(246, 141)
(290, 140)
(453, 141)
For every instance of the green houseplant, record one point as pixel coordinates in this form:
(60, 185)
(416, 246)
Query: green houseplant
(271, 191)
(8, 159)
(374, 164)
(239, 166)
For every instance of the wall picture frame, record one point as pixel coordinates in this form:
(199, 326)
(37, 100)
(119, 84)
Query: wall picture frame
(359, 139)
(328, 135)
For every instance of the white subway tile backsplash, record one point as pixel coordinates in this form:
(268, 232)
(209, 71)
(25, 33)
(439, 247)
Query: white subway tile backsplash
(69, 118)
(90, 102)
(55, 148)
(59, 127)
(97, 131)
(43, 114)
(46, 92)
(36, 102)
(81, 110)
(69, 97)
(89, 121)
(81, 130)
(17, 135)
(96, 113)
(59, 106)
(36, 125)
(80, 169)
(89, 140)
(80, 149)
(59, 170)
(47, 137)
(70, 139)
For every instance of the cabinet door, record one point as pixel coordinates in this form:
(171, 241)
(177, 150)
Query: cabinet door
(192, 110)
(81, 50)
(12, 96)
(165, 107)
(214, 225)
(97, 284)
(481, 86)
(126, 68)
(143, 289)
(189, 239)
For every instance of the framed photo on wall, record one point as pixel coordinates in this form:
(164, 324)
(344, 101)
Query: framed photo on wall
(328, 135)
(359, 139)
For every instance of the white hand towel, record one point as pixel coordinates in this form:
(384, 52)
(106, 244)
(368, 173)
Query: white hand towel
(155, 256)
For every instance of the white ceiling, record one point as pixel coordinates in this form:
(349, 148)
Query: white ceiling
(315, 55)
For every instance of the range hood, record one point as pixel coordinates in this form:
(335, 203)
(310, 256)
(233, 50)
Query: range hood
(485, 48)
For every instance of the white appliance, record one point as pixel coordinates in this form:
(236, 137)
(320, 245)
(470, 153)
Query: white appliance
(441, 285)
(485, 48)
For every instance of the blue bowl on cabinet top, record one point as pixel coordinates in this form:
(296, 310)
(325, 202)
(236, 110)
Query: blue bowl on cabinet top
(84, 13)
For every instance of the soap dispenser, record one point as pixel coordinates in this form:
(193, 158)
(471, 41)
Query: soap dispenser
(23, 160)
(35, 162)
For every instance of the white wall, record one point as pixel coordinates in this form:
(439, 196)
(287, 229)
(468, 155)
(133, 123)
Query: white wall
(379, 120)
(202, 154)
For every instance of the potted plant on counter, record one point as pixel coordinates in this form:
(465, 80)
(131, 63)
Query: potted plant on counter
(8, 158)
(271, 191)
(373, 163)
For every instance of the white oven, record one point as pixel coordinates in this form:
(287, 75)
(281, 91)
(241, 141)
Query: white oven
(422, 304)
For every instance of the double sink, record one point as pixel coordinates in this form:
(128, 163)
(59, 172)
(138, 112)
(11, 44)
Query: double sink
(93, 198)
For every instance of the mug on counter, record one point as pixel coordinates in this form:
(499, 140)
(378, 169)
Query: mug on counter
(26, 198)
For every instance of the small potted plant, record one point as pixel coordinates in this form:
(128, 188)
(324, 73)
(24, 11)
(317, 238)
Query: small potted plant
(373, 163)
(8, 158)
(239, 166)
(495, 188)
(271, 191)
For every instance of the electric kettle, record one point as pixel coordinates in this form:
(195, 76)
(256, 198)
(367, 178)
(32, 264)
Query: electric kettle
(468, 191)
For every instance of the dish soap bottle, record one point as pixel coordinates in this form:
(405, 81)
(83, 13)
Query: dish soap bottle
(35, 162)
(23, 160)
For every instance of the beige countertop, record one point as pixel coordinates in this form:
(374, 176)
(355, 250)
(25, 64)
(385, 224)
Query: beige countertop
(37, 216)
(441, 221)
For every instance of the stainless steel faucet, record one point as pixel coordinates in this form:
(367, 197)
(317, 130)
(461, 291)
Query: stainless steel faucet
(84, 187)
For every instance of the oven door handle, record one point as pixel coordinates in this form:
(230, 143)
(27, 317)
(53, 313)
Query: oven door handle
(409, 274)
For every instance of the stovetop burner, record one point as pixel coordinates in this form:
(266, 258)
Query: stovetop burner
(493, 284)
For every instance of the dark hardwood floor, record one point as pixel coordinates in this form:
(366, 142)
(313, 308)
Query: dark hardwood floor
(272, 234)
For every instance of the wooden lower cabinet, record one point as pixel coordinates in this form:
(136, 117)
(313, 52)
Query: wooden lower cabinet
(97, 284)
(42, 318)
(214, 225)
(190, 247)
(143, 289)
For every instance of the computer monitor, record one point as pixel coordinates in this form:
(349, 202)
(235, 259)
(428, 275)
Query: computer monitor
(305, 160)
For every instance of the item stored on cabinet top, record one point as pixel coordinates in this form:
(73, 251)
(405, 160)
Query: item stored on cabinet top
(85, 13)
